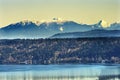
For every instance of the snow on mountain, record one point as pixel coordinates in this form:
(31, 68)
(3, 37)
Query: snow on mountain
(29, 29)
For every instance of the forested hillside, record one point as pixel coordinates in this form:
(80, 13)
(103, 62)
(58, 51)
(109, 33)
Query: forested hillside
(60, 51)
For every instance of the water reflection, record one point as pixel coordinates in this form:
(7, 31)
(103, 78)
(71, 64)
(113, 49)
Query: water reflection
(112, 72)
(60, 72)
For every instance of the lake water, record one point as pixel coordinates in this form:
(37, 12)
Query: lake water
(60, 72)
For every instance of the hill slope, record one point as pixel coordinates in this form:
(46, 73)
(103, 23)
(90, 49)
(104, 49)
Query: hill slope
(89, 34)
(60, 51)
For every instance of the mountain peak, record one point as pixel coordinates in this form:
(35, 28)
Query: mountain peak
(103, 24)
(25, 22)
(32, 29)
(100, 22)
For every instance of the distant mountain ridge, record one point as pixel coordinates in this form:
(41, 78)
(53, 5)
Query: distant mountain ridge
(31, 30)
(89, 34)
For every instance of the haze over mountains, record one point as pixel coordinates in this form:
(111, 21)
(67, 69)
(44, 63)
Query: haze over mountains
(31, 30)
(89, 34)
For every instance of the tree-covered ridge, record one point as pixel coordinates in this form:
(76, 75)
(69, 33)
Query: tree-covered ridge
(60, 51)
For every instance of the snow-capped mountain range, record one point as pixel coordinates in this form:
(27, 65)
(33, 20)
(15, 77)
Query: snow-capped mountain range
(31, 30)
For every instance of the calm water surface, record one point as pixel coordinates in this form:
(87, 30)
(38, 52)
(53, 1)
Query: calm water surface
(60, 72)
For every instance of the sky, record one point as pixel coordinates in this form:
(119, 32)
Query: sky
(81, 11)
